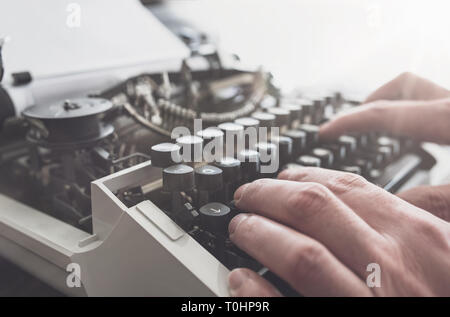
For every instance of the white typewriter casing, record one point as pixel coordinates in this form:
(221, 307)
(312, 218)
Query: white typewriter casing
(135, 251)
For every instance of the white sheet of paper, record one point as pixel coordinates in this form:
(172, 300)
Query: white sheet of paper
(47, 40)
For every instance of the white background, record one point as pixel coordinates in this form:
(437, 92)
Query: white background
(353, 45)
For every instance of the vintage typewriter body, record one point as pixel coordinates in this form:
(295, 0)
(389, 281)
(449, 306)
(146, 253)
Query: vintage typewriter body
(100, 190)
(99, 182)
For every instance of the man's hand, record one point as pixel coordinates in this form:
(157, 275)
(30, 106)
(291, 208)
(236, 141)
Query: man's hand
(420, 120)
(319, 230)
(434, 199)
(408, 86)
(407, 106)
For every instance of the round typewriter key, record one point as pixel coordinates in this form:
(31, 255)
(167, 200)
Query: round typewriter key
(249, 164)
(325, 156)
(294, 109)
(233, 137)
(266, 149)
(213, 139)
(230, 127)
(178, 178)
(251, 126)
(307, 112)
(208, 178)
(393, 144)
(307, 107)
(308, 160)
(269, 159)
(351, 169)
(318, 110)
(266, 120)
(209, 183)
(209, 134)
(339, 151)
(318, 103)
(191, 148)
(363, 139)
(247, 122)
(165, 154)
(339, 99)
(295, 113)
(284, 145)
(364, 165)
(281, 116)
(312, 133)
(291, 166)
(298, 141)
(386, 152)
(371, 155)
(215, 218)
(348, 142)
(231, 169)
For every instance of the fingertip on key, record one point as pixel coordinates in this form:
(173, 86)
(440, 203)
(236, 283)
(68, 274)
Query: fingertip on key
(236, 279)
(235, 222)
(238, 193)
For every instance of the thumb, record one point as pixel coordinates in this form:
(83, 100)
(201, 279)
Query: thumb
(246, 283)
(434, 199)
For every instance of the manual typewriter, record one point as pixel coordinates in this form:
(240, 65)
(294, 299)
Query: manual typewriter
(103, 182)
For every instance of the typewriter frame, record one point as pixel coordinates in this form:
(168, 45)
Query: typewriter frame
(155, 263)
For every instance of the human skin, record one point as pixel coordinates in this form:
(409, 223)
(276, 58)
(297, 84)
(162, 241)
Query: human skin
(322, 228)
(427, 118)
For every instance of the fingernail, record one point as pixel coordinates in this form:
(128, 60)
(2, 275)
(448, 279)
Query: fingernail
(238, 193)
(235, 280)
(234, 223)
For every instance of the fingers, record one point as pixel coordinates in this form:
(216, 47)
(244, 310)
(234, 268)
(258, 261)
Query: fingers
(353, 190)
(315, 211)
(392, 90)
(421, 120)
(434, 199)
(246, 283)
(299, 260)
(358, 119)
(409, 86)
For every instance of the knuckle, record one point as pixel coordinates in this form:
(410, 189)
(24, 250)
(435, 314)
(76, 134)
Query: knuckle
(297, 174)
(311, 199)
(345, 182)
(305, 260)
(436, 235)
(405, 76)
(255, 187)
(259, 183)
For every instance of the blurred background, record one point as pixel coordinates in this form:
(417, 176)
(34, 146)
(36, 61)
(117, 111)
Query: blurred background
(350, 45)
